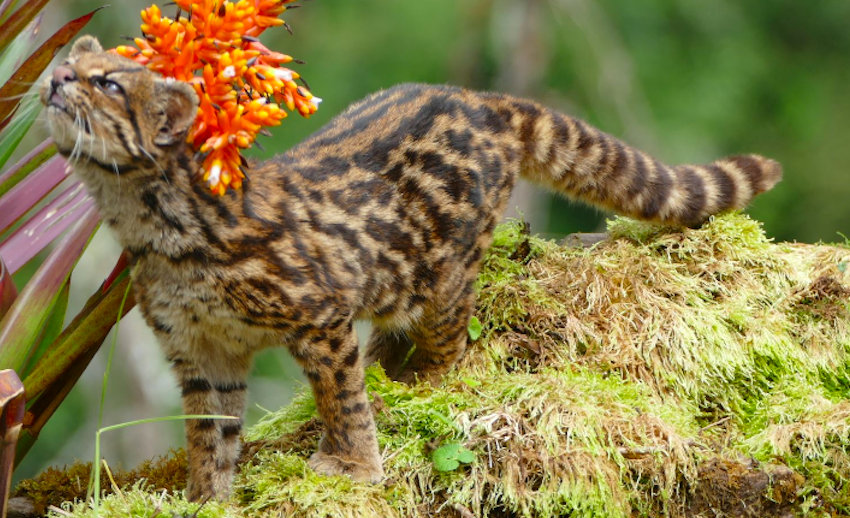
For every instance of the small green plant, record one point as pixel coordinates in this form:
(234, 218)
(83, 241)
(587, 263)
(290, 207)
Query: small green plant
(474, 329)
(450, 456)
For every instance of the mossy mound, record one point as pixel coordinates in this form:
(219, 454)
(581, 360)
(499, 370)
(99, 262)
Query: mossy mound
(700, 372)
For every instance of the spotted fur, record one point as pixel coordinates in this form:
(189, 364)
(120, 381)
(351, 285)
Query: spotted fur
(384, 215)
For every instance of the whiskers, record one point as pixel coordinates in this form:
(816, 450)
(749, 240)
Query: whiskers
(24, 83)
(77, 151)
(90, 130)
(161, 170)
(117, 175)
(18, 97)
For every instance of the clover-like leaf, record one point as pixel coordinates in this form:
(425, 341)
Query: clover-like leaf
(450, 456)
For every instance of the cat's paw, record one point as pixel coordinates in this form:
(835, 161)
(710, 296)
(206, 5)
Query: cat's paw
(327, 464)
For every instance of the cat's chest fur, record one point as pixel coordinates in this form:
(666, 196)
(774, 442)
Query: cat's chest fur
(193, 303)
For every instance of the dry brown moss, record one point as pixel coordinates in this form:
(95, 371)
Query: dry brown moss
(54, 486)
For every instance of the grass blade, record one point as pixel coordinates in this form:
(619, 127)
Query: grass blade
(22, 325)
(96, 464)
(34, 65)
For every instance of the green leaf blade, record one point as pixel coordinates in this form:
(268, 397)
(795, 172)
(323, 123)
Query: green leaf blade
(17, 50)
(26, 113)
(53, 326)
(84, 334)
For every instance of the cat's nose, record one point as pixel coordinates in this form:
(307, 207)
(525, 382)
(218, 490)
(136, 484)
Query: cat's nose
(63, 74)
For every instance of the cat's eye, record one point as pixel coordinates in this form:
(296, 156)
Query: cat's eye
(108, 86)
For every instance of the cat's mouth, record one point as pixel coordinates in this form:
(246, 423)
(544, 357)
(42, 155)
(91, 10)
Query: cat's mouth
(56, 100)
(53, 98)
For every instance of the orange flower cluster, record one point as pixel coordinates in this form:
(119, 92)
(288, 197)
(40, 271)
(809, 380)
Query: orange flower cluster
(241, 84)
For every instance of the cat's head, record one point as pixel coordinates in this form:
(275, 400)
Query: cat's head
(113, 113)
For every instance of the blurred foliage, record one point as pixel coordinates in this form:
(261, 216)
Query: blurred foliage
(688, 80)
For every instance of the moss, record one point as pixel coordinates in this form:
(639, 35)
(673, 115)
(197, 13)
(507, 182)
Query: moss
(660, 373)
(144, 501)
(54, 486)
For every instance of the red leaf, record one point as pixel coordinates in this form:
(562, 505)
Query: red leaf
(34, 235)
(120, 266)
(12, 403)
(8, 293)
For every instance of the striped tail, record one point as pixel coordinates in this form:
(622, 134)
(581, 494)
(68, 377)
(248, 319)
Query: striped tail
(576, 159)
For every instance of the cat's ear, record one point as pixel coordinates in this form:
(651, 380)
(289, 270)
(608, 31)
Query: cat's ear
(178, 105)
(85, 45)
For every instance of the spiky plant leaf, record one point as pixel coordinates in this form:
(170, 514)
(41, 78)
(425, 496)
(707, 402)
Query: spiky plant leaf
(11, 419)
(32, 68)
(24, 196)
(53, 327)
(26, 165)
(23, 324)
(18, 50)
(17, 127)
(8, 292)
(56, 371)
(86, 331)
(45, 226)
(16, 23)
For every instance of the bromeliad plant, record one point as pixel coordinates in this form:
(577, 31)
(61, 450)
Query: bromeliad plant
(241, 86)
(34, 346)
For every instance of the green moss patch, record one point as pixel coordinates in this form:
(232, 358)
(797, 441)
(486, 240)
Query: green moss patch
(698, 372)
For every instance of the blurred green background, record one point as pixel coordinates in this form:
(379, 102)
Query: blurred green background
(687, 80)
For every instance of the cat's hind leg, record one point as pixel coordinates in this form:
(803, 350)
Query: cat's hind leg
(330, 357)
(440, 336)
(389, 348)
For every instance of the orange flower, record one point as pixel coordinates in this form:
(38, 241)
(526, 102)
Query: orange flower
(241, 84)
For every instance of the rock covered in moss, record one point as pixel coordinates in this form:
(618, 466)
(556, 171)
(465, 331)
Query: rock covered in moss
(703, 372)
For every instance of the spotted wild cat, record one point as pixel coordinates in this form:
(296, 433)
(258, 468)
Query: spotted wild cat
(383, 214)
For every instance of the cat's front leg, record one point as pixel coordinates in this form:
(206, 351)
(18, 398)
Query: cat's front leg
(331, 360)
(212, 382)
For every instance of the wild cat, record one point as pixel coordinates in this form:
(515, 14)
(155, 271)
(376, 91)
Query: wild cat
(383, 214)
